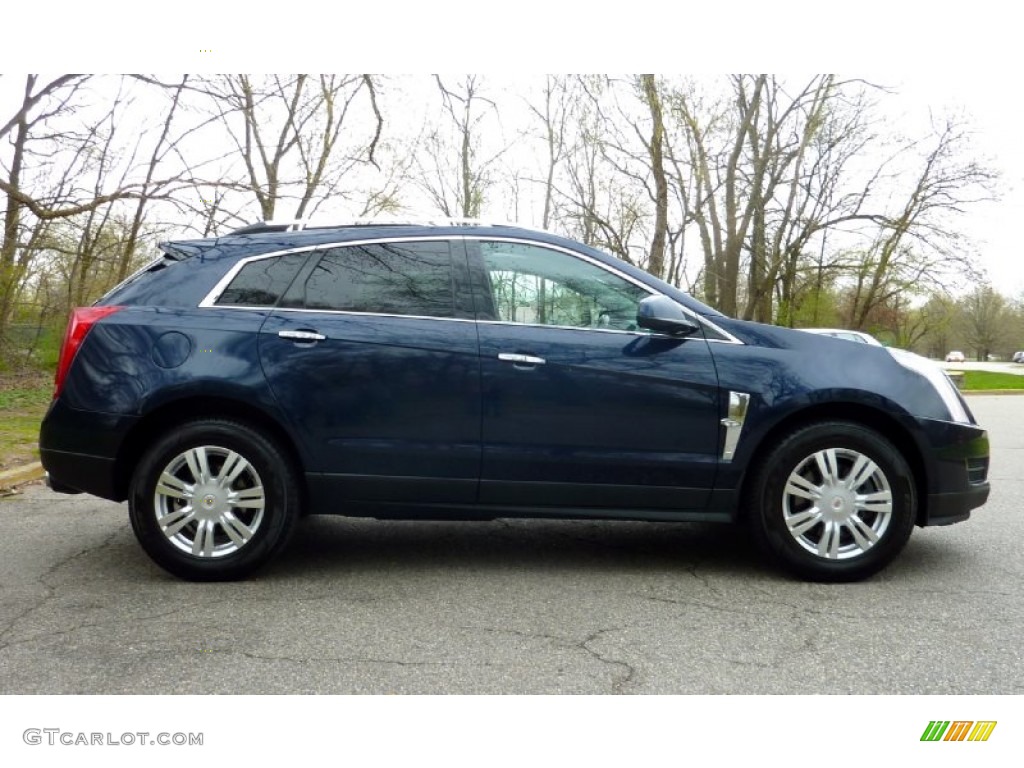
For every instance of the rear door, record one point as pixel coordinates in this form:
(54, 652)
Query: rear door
(373, 355)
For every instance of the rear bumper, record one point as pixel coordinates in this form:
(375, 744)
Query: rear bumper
(80, 473)
(58, 487)
(79, 450)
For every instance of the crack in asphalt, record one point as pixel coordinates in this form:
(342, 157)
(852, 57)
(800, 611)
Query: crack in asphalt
(117, 620)
(560, 640)
(764, 610)
(50, 589)
(617, 684)
(621, 682)
(342, 659)
(687, 603)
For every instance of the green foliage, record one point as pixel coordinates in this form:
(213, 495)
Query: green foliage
(813, 309)
(31, 349)
(30, 399)
(21, 411)
(982, 380)
(47, 350)
(984, 315)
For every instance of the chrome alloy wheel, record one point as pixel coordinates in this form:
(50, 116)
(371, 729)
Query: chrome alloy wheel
(837, 503)
(209, 501)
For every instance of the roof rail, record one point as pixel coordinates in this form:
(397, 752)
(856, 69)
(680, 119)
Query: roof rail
(298, 225)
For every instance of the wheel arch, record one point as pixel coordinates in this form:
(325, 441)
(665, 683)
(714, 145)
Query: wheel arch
(885, 424)
(176, 412)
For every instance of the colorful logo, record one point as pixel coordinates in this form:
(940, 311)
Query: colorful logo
(958, 730)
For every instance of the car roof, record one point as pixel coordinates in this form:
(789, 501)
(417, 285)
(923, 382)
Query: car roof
(273, 236)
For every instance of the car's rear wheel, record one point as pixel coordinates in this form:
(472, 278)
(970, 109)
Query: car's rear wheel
(833, 501)
(213, 500)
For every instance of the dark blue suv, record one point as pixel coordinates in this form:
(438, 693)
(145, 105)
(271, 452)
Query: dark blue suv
(469, 371)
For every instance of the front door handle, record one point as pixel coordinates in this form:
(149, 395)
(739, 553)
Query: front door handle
(518, 359)
(301, 335)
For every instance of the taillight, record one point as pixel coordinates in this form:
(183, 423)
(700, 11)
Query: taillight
(79, 324)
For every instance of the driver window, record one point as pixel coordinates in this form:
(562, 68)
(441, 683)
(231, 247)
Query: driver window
(540, 286)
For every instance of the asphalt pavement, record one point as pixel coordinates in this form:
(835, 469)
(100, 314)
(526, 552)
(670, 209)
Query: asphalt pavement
(361, 606)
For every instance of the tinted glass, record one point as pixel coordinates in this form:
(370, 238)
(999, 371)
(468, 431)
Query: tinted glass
(536, 285)
(385, 278)
(262, 283)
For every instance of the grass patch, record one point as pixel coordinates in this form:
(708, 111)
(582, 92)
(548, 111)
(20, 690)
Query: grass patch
(22, 405)
(976, 380)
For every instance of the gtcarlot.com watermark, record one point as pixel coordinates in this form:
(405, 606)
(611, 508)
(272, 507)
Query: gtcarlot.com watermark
(56, 737)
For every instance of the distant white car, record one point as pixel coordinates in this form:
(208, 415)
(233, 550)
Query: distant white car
(842, 333)
(956, 356)
(1018, 357)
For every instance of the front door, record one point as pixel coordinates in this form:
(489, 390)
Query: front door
(581, 408)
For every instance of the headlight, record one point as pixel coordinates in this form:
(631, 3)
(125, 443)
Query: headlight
(945, 388)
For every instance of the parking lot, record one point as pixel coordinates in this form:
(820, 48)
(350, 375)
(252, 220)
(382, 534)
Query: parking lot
(360, 606)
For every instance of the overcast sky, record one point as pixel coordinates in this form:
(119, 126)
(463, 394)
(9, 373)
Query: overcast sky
(995, 111)
(906, 45)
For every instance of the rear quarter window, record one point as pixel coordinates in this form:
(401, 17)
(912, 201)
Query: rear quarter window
(382, 278)
(263, 282)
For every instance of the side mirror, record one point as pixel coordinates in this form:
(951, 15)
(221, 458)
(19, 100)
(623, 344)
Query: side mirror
(661, 314)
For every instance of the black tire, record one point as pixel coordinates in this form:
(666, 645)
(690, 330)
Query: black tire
(231, 524)
(820, 539)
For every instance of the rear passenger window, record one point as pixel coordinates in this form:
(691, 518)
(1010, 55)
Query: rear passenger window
(380, 278)
(262, 283)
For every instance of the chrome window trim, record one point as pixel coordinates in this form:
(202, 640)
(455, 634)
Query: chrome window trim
(432, 317)
(637, 332)
(209, 301)
(730, 339)
(354, 313)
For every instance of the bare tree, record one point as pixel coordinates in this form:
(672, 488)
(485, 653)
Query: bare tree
(748, 154)
(33, 196)
(160, 147)
(603, 191)
(655, 147)
(457, 166)
(772, 175)
(78, 152)
(919, 242)
(554, 115)
(39, 104)
(292, 135)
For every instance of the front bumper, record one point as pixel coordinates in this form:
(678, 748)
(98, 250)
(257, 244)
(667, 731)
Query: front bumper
(949, 508)
(957, 460)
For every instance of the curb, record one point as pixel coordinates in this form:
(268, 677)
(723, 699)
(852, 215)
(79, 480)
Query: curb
(26, 473)
(992, 391)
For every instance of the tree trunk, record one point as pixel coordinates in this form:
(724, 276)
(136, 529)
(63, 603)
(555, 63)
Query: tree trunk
(656, 257)
(12, 218)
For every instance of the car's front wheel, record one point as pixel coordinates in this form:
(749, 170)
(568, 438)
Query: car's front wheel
(833, 501)
(213, 500)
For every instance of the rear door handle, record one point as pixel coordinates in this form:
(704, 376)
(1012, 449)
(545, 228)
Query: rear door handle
(301, 335)
(518, 359)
